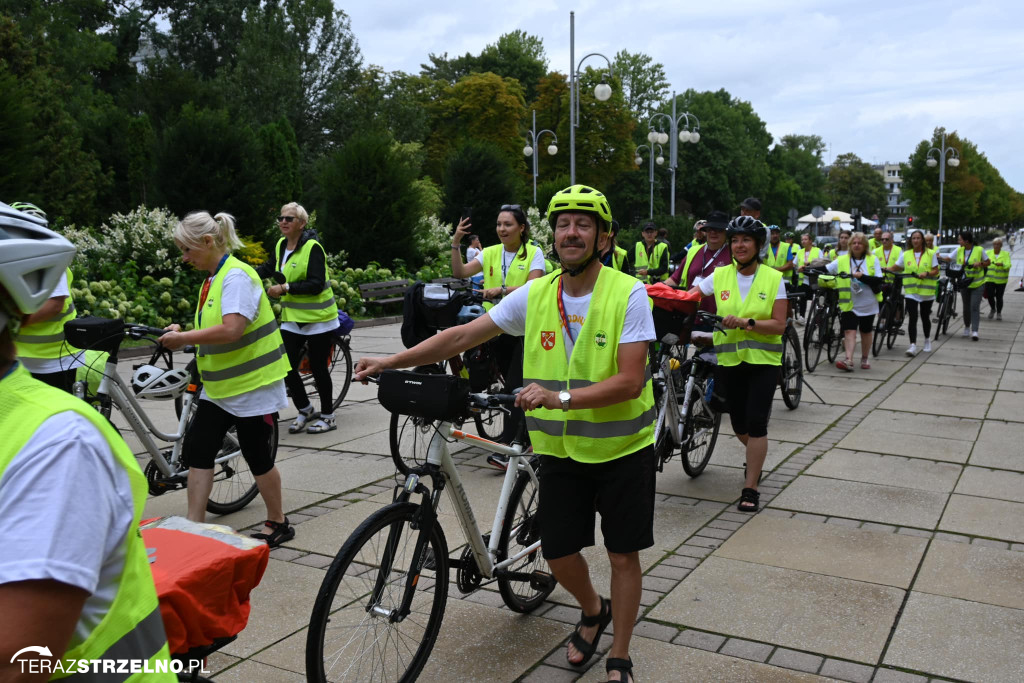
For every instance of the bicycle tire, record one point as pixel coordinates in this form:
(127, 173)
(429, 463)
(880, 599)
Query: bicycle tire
(490, 423)
(409, 438)
(880, 323)
(950, 310)
(893, 326)
(343, 594)
(339, 365)
(814, 336)
(791, 373)
(521, 528)
(941, 317)
(699, 417)
(835, 335)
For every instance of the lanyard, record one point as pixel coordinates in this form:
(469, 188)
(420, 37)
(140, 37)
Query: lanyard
(857, 266)
(562, 314)
(504, 266)
(206, 287)
(704, 266)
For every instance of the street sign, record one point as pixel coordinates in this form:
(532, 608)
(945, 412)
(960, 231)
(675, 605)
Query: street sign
(817, 212)
(793, 213)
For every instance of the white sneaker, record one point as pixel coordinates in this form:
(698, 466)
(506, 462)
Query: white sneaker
(974, 336)
(991, 313)
(999, 316)
(927, 346)
(966, 333)
(912, 350)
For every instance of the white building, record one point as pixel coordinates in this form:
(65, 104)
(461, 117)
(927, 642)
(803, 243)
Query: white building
(899, 207)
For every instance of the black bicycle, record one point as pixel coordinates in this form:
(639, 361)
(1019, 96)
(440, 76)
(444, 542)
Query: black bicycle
(823, 330)
(889, 323)
(791, 374)
(945, 300)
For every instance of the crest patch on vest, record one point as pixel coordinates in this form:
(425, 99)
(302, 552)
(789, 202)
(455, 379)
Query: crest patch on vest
(762, 296)
(547, 340)
(725, 294)
(601, 339)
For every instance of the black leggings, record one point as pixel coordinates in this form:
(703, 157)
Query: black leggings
(748, 390)
(994, 294)
(926, 318)
(508, 352)
(319, 358)
(206, 436)
(806, 289)
(64, 379)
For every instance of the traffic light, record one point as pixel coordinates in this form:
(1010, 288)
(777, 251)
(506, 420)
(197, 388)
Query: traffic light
(910, 221)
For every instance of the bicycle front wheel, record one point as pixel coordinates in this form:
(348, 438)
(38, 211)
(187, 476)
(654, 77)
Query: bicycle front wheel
(792, 379)
(835, 336)
(339, 365)
(813, 339)
(409, 438)
(357, 630)
(700, 432)
(519, 531)
(942, 317)
(880, 328)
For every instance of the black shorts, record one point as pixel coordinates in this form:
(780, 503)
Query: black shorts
(848, 320)
(748, 390)
(205, 437)
(622, 490)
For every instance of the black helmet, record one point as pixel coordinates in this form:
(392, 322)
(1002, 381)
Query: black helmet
(747, 225)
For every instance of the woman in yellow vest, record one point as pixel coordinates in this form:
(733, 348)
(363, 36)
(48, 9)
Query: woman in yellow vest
(612, 255)
(751, 298)
(972, 261)
(996, 277)
(858, 305)
(804, 255)
(74, 577)
(920, 267)
(242, 363)
(309, 314)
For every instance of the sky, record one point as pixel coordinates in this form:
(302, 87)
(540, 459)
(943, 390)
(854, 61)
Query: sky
(871, 77)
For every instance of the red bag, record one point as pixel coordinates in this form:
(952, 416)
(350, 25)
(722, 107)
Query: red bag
(672, 299)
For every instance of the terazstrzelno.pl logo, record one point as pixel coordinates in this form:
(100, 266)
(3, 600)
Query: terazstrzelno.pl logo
(38, 660)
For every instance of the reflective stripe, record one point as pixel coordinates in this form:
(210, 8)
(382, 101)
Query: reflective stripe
(40, 338)
(248, 366)
(316, 305)
(142, 642)
(748, 344)
(593, 430)
(559, 385)
(244, 340)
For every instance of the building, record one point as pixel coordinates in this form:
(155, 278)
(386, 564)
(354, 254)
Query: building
(899, 207)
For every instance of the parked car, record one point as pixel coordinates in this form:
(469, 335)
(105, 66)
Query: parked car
(899, 239)
(946, 250)
(826, 242)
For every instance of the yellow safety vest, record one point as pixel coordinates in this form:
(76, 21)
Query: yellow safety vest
(843, 283)
(743, 346)
(778, 259)
(517, 273)
(588, 435)
(618, 258)
(873, 244)
(915, 278)
(133, 627)
(802, 258)
(999, 268)
(973, 269)
(894, 256)
(255, 360)
(305, 308)
(641, 260)
(46, 339)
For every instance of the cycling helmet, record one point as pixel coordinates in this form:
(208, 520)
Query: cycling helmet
(469, 313)
(29, 208)
(32, 259)
(156, 383)
(773, 228)
(746, 225)
(580, 198)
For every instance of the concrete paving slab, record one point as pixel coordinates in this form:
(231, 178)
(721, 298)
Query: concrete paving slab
(601, 571)
(812, 612)
(326, 473)
(973, 572)
(176, 503)
(859, 554)
(796, 431)
(856, 500)
(715, 483)
(986, 517)
(810, 410)
(959, 639)
(729, 452)
(658, 661)
(378, 443)
(999, 445)
(870, 438)
(956, 376)
(1007, 405)
(1013, 380)
(915, 398)
(891, 470)
(1015, 362)
(327, 533)
(987, 483)
(922, 424)
(250, 671)
(978, 358)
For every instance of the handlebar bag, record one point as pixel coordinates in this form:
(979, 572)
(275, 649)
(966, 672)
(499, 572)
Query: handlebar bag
(434, 397)
(91, 332)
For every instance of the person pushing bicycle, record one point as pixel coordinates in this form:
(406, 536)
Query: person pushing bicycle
(589, 411)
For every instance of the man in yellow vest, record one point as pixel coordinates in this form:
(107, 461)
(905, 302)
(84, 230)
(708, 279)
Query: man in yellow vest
(876, 241)
(650, 257)
(888, 255)
(75, 583)
(996, 277)
(589, 409)
(612, 254)
(778, 255)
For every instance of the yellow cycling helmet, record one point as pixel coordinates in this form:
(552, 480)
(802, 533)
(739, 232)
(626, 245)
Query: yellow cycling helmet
(580, 198)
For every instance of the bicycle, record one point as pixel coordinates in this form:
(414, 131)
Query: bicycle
(339, 364)
(946, 298)
(234, 486)
(381, 603)
(890, 315)
(823, 330)
(791, 373)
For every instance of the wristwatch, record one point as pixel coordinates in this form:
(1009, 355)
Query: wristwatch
(564, 397)
(750, 323)
(286, 288)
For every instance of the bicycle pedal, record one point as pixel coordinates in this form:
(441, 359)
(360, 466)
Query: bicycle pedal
(542, 581)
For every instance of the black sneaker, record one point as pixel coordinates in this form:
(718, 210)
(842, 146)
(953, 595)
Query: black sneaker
(498, 461)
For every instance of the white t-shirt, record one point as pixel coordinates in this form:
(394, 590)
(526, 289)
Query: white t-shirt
(472, 253)
(241, 295)
(707, 285)
(66, 505)
(510, 315)
(864, 301)
(507, 257)
(47, 366)
(309, 329)
(935, 264)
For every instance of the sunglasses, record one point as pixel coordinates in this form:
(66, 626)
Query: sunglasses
(511, 207)
(285, 219)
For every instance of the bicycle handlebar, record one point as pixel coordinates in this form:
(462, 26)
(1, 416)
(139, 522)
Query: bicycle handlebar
(485, 400)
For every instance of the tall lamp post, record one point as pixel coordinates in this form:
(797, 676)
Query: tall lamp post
(936, 160)
(602, 92)
(675, 136)
(660, 159)
(531, 150)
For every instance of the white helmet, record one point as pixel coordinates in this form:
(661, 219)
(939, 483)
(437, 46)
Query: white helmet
(32, 259)
(152, 382)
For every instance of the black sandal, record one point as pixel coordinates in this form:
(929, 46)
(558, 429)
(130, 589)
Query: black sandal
(623, 666)
(749, 500)
(282, 533)
(601, 621)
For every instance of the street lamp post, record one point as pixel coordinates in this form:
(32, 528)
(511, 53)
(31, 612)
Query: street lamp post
(660, 159)
(531, 150)
(933, 161)
(602, 92)
(675, 136)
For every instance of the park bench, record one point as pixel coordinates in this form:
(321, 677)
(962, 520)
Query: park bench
(390, 292)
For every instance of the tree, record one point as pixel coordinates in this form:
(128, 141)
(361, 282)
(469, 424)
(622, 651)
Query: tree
(796, 177)
(644, 84)
(517, 55)
(478, 175)
(395, 102)
(852, 183)
(204, 37)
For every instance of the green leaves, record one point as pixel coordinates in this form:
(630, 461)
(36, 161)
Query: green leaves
(852, 183)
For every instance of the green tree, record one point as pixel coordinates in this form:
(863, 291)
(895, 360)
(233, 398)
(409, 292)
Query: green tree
(395, 102)
(797, 178)
(517, 55)
(852, 183)
(204, 37)
(644, 84)
(478, 175)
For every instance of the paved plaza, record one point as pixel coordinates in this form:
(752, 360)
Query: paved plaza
(889, 547)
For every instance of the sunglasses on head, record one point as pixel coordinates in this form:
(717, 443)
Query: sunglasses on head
(285, 219)
(511, 207)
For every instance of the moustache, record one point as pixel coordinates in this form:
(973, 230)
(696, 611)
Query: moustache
(573, 243)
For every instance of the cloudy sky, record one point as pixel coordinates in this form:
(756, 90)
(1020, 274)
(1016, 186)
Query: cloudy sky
(873, 77)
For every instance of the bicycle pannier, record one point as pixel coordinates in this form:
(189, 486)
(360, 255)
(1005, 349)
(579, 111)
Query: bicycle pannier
(434, 397)
(98, 334)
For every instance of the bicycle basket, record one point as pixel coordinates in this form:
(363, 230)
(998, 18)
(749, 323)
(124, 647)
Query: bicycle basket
(434, 397)
(97, 334)
(478, 364)
(672, 322)
(439, 306)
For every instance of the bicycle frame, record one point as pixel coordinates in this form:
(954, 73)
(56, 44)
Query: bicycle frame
(669, 403)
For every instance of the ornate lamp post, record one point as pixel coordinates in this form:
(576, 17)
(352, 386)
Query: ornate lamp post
(936, 160)
(531, 149)
(660, 159)
(675, 135)
(602, 92)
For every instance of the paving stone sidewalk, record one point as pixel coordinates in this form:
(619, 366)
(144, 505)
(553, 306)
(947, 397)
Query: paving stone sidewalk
(889, 547)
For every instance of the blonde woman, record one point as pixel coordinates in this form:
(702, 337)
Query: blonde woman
(242, 365)
(858, 305)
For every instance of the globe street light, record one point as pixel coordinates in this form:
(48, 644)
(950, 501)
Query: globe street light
(933, 161)
(684, 135)
(660, 159)
(531, 145)
(602, 92)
